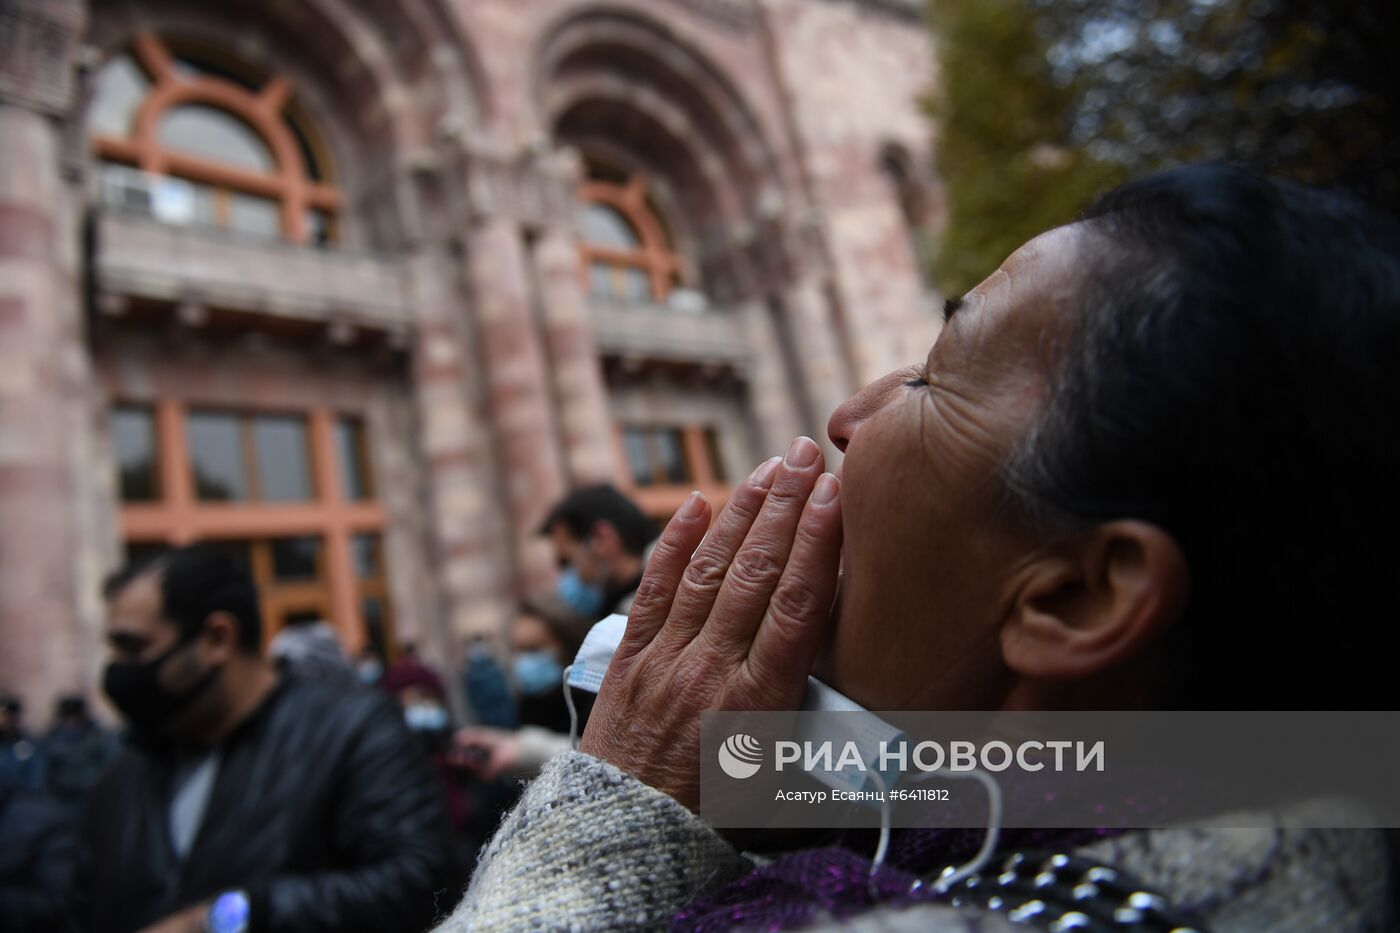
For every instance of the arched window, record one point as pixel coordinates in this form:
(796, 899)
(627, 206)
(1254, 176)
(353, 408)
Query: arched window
(626, 248)
(243, 152)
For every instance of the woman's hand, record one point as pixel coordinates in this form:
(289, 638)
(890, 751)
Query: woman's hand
(732, 622)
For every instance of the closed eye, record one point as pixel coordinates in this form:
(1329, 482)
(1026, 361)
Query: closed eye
(950, 308)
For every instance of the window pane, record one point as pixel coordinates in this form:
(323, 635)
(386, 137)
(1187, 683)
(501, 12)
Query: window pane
(121, 86)
(256, 216)
(716, 456)
(600, 280)
(134, 440)
(307, 138)
(198, 60)
(376, 624)
(214, 134)
(318, 227)
(216, 454)
(636, 285)
(352, 458)
(365, 548)
(672, 454)
(634, 441)
(284, 473)
(295, 558)
(125, 187)
(604, 226)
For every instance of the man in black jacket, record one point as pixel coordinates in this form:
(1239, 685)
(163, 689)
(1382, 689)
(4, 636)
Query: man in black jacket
(36, 862)
(249, 802)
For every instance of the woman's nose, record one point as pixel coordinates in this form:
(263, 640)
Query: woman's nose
(857, 409)
(843, 424)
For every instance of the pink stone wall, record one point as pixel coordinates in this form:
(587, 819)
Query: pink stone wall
(439, 117)
(47, 632)
(857, 77)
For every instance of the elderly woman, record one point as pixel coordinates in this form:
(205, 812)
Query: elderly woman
(1148, 463)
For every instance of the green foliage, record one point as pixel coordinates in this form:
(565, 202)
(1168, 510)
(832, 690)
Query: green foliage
(1003, 149)
(1045, 103)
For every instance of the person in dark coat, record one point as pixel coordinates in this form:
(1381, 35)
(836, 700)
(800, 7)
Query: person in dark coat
(77, 750)
(36, 862)
(22, 765)
(249, 801)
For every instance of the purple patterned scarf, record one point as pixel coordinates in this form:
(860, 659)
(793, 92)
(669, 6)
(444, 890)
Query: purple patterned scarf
(797, 888)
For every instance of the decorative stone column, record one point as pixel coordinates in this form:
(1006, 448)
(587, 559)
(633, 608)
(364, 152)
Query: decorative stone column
(469, 527)
(819, 354)
(577, 376)
(47, 642)
(518, 389)
(776, 413)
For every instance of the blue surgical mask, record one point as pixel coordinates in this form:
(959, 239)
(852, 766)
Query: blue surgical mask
(537, 672)
(584, 598)
(369, 671)
(426, 717)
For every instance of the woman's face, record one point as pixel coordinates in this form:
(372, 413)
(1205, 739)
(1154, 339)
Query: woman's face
(931, 556)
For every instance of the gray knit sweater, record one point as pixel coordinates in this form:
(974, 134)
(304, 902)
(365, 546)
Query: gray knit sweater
(591, 848)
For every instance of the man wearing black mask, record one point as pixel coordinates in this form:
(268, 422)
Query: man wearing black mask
(248, 802)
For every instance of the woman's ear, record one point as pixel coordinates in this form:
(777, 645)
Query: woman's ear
(1098, 601)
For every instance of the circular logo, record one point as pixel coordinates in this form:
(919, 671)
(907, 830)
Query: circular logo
(740, 756)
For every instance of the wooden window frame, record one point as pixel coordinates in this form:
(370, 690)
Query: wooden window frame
(654, 257)
(290, 185)
(157, 481)
(361, 454)
(662, 500)
(179, 517)
(245, 421)
(280, 597)
(376, 586)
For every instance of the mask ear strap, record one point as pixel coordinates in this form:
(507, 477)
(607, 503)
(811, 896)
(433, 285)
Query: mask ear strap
(950, 875)
(883, 848)
(573, 710)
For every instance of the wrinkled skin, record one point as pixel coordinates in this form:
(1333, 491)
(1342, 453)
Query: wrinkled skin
(932, 561)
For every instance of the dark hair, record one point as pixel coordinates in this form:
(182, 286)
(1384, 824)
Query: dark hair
(584, 508)
(196, 581)
(1234, 377)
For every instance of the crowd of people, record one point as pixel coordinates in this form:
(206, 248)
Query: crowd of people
(294, 788)
(1144, 466)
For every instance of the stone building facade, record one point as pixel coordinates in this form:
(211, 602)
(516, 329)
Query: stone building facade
(359, 288)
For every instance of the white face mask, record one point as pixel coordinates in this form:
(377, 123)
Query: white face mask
(595, 654)
(599, 646)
